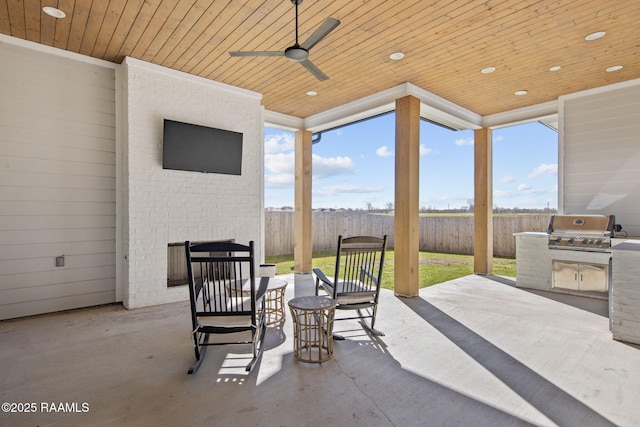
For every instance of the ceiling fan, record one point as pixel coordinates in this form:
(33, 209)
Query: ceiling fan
(300, 52)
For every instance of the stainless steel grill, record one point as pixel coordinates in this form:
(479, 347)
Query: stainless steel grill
(581, 232)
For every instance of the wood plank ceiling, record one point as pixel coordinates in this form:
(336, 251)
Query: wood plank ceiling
(446, 43)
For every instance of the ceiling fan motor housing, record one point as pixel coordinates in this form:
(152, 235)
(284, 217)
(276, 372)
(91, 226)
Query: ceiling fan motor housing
(296, 53)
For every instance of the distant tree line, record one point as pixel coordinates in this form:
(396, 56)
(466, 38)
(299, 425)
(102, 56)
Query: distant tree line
(389, 208)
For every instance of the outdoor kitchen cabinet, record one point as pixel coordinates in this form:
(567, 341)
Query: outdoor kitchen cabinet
(578, 276)
(624, 312)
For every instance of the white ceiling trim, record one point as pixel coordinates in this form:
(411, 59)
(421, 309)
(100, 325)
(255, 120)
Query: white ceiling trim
(547, 112)
(277, 120)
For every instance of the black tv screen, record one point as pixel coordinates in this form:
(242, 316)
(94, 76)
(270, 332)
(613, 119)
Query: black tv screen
(198, 148)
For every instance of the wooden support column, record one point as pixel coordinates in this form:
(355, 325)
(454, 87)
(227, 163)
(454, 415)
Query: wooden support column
(407, 197)
(302, 235)
(483, 202)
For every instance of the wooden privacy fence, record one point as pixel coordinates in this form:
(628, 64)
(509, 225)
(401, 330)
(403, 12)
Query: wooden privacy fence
(448, 234)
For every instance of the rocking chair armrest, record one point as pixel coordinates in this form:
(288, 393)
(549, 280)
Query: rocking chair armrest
(262, 288)
(321, 276)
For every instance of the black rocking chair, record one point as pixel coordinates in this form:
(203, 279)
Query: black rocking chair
(224, 297)
(357, 277)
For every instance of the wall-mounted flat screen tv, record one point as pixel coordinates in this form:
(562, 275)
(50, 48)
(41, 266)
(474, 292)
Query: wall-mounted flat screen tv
(190, 147)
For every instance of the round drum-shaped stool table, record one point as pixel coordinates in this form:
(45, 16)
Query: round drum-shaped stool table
(274, 312)
(312, 328)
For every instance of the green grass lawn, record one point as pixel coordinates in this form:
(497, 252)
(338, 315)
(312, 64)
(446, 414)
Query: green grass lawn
(434, 267)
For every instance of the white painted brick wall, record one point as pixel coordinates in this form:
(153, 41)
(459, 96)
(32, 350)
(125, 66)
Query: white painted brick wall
(165, 206)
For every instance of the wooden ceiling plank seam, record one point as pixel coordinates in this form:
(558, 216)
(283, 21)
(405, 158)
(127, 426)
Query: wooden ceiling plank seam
(160, 15)
(225, 67)
(248, 41)
(137, 29)
(5, 24)
(344, 13)
(109, 24)
(126, 23)
(434, 45)
(514, 41)
(389, 39)
(226, 43)
(78, 24)
(431, 46)
(452, 54)
(186, 27)
(184, 46)
(63, 26)
(356, 23)
(32, 16)
(17, 24)
(287, 30)
(94, 24)
(193, 55)
(168, 27)
(47, 28)
(238, 13)
(251, 19)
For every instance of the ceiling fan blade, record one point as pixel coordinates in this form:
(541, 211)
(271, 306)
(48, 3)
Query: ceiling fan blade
(264, 53)
(323, 30)
(314, 70)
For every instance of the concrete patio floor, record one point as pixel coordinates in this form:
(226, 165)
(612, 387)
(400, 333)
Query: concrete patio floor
(475, 351)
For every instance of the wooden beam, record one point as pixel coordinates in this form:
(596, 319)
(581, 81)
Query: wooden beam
(407, 197)
(483, 203)
(302, 239)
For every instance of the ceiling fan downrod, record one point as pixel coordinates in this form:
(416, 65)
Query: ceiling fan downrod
(296, 53)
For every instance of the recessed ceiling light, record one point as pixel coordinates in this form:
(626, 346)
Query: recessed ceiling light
(52, 11)
(555, 68)
(520, 92)
(595, 36)
(312, 93)
(614, 68)
(488, 70)
(396, 56)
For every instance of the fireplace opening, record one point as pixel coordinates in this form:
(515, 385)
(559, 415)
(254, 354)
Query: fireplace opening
(177, 263)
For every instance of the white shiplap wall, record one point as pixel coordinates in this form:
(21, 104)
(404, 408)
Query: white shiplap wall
(600, 155)
(57, 182)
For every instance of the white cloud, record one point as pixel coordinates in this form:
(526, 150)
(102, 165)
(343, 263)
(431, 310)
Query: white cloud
(279, 143)
(280, 163)
(424, 150)
(384, 151)
(281, 168)
(508, 179)
(279, 181)
(522, 189)
(544, 169)
(323, 167)
(347, 188)
(498, 138)
(463, 141)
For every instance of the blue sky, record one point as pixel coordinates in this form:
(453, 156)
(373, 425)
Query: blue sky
(354, 166)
